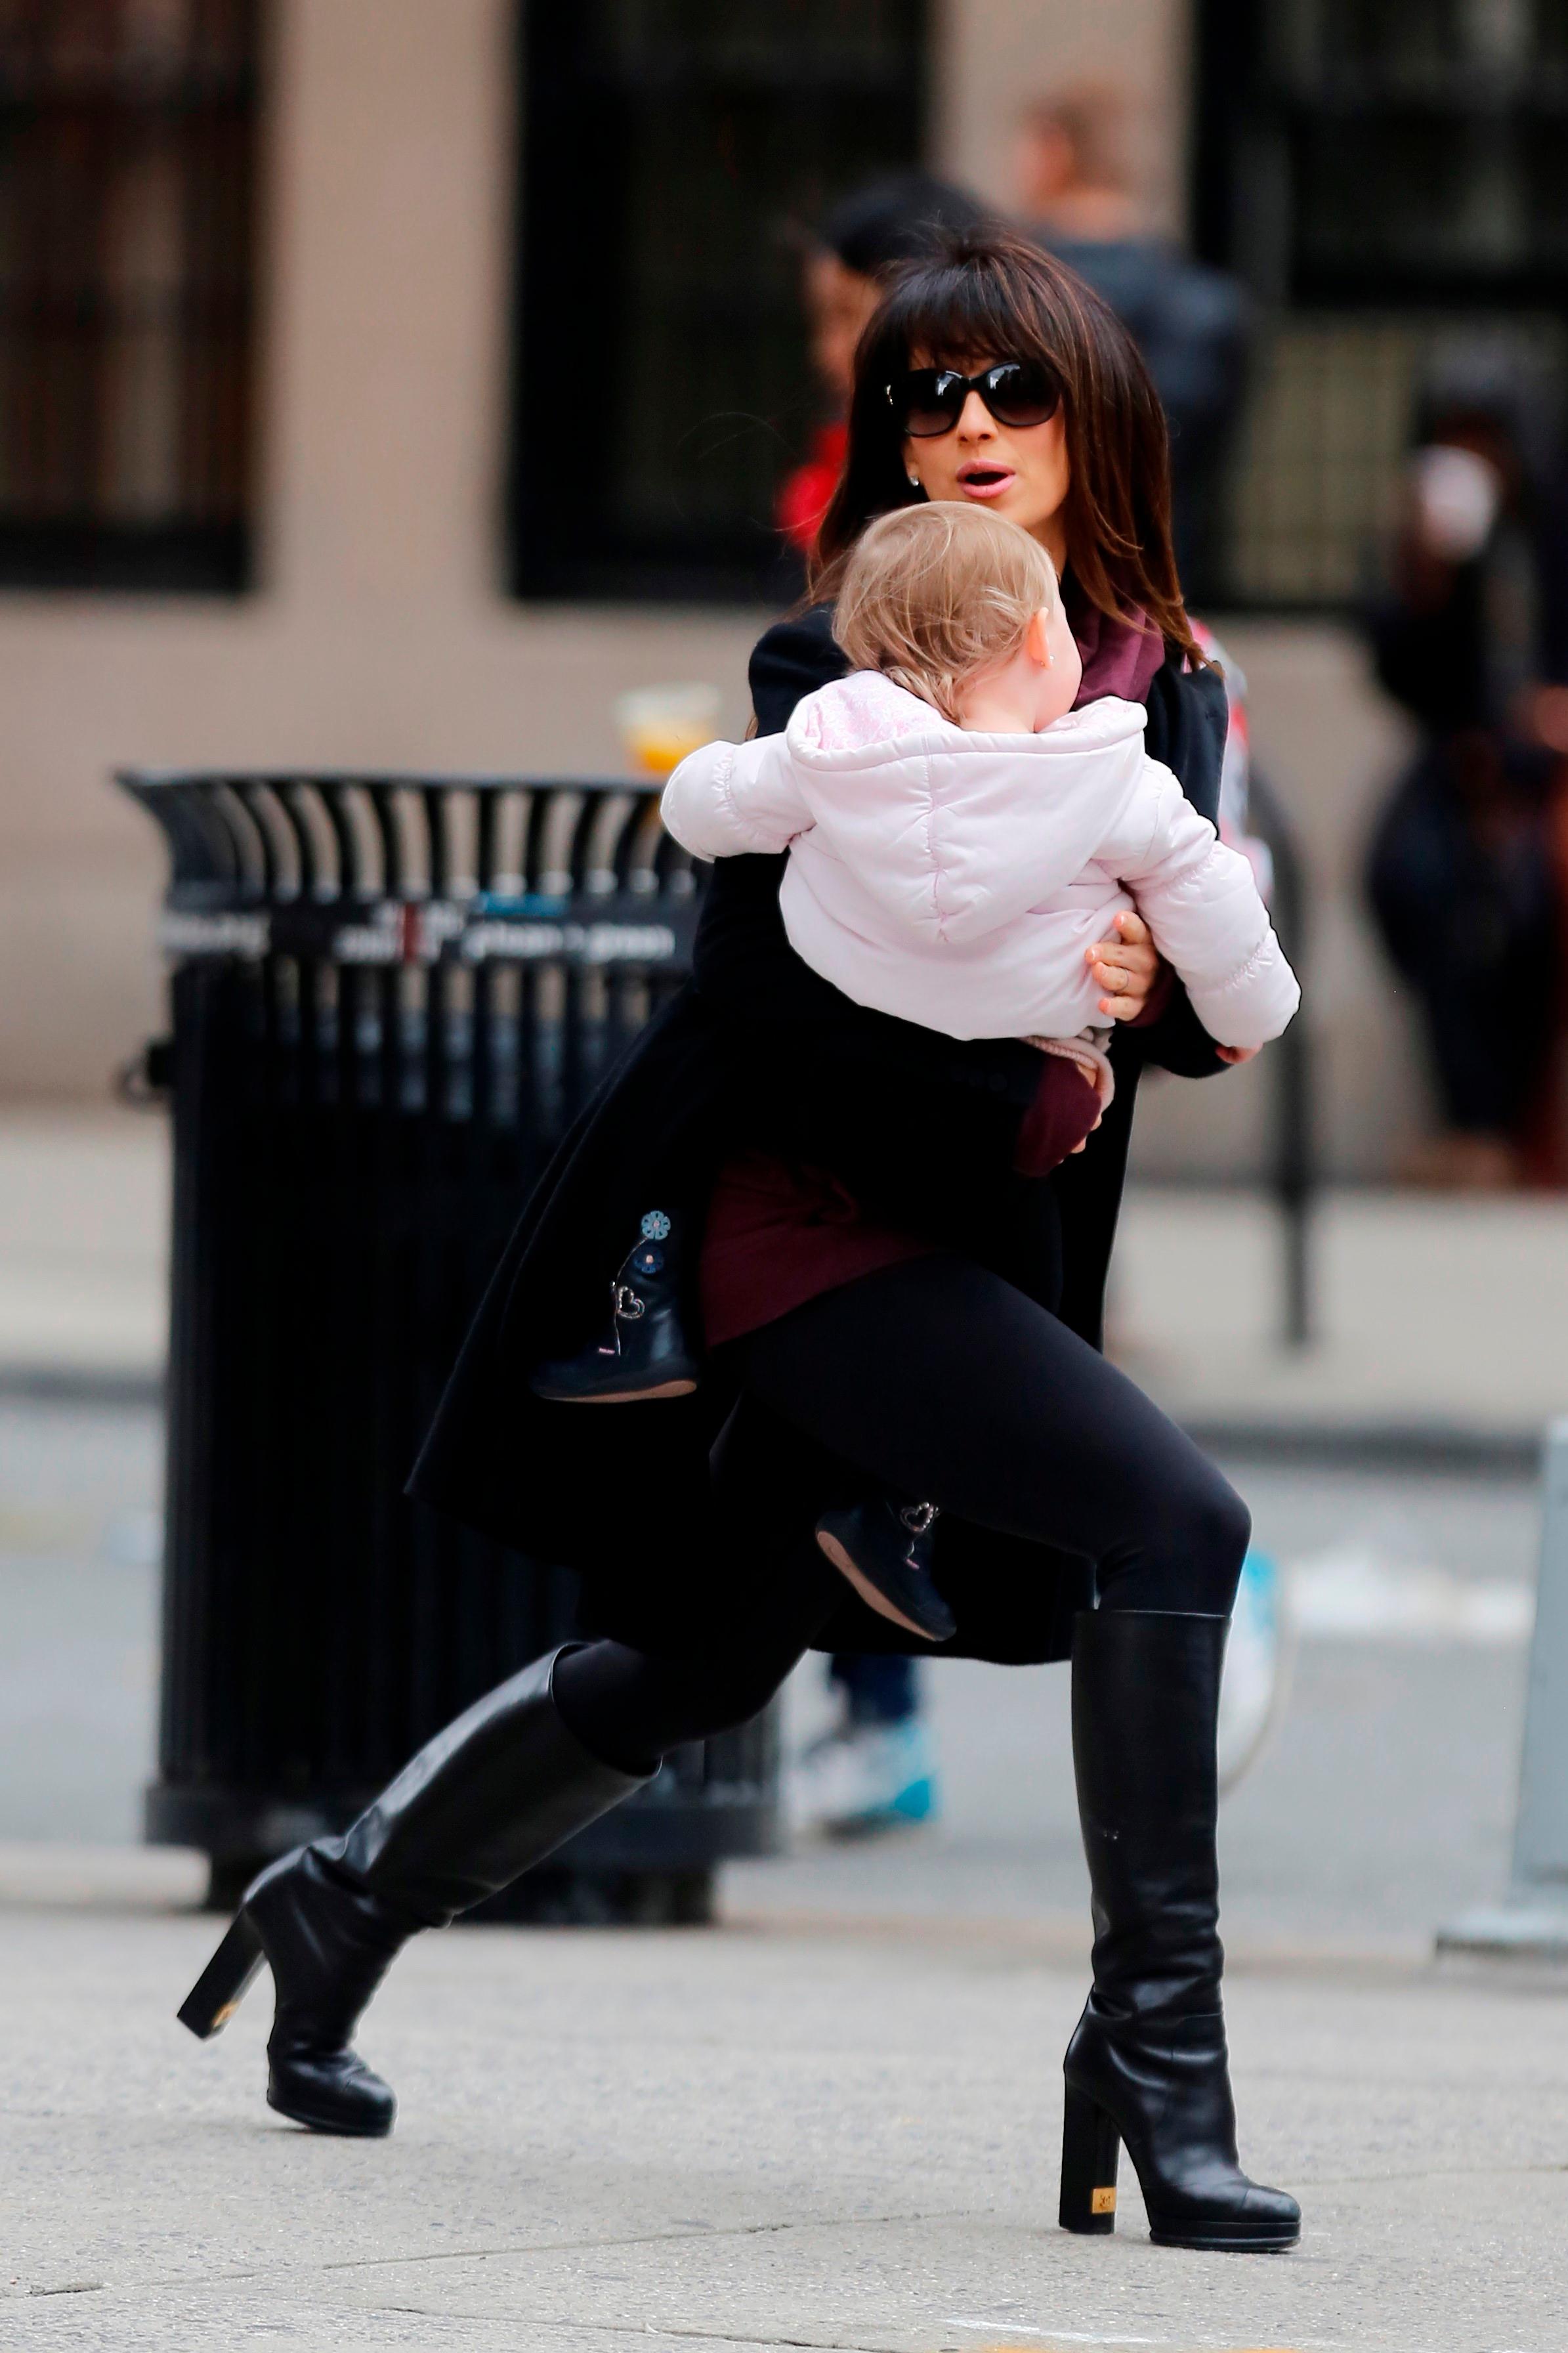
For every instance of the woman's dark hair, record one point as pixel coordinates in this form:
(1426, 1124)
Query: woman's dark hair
(992, 294)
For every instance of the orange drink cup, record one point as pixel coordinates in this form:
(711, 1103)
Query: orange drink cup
(660, 725)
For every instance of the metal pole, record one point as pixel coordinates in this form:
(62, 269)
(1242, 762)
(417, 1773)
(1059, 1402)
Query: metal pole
(1294, 1180)
(1532, 1919)
(1293, 1171)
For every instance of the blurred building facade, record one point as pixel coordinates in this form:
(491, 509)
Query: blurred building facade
(393, 384)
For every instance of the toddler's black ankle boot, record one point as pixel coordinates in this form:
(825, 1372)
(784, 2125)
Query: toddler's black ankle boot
(885, 1548)
(647, 1352)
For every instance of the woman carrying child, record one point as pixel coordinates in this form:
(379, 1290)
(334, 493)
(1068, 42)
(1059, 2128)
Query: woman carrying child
(901, 1255)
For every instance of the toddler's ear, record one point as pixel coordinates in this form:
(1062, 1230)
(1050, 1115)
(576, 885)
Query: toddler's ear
(1037, 638)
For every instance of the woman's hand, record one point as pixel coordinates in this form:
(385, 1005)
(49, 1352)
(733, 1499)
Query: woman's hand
(1125, 966)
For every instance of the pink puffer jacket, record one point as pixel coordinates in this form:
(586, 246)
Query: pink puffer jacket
(956, 878)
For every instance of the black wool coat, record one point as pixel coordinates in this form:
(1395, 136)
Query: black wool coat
(758, 1047)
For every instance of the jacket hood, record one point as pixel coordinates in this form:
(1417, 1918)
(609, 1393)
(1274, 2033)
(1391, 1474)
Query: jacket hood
(900, 792)
(862, 719)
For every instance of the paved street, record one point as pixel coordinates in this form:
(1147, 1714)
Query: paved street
(738, 2140)
(834, 2121)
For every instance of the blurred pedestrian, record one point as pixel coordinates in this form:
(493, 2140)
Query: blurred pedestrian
(1466, 869)
(1075, 194)
(1074, 191)
(943, 1336)
(847, 259)
(873, 1769)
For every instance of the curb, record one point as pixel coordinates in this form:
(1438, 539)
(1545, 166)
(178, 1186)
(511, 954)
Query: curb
(113, 1385)
(1460, 1449)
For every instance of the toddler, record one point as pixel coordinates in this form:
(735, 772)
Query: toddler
(958, 835)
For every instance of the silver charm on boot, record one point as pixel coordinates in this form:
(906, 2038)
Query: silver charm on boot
(647, 1353)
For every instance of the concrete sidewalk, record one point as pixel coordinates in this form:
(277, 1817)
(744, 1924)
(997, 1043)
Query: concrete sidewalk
(751, 2140)
(84, 1239)
(1435, 1317)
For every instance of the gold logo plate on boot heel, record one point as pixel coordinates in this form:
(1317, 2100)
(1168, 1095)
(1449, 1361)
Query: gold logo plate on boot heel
(1103, 2201)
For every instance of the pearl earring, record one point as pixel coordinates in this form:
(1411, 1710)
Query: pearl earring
(914, 481)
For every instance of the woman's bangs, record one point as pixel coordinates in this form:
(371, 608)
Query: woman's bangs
(953, 311)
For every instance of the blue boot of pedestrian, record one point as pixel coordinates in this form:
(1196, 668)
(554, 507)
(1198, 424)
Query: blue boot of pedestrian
(876, 1771)
(1256, 1681)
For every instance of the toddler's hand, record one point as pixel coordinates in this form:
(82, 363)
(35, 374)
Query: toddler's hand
(1124, 967)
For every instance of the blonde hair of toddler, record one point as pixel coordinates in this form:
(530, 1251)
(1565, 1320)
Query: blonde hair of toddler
(932, 594)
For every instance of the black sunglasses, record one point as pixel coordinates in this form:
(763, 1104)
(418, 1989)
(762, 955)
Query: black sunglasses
(929, 401)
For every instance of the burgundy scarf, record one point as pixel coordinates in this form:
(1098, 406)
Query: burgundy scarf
(1119, 657)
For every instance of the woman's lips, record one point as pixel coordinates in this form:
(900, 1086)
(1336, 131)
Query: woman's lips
(986, 481)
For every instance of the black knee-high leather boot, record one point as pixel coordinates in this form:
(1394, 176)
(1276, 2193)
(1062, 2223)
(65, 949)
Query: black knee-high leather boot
(1147, 2069)
(496, 1791)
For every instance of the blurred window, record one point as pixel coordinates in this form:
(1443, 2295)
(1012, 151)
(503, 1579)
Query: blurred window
(1325, 438)
(126, 147)
(673, 152)
(1384, 174)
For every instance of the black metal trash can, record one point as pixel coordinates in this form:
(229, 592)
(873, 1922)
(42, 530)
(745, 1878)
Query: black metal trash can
(389, 996)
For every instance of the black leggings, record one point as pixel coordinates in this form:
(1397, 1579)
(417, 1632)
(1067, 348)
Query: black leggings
(941, 1381)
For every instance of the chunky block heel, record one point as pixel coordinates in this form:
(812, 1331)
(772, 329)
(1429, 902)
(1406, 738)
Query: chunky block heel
(220, 1989)
(1090, 2148)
